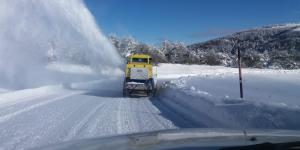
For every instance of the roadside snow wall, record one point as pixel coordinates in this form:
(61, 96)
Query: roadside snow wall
(200, 109)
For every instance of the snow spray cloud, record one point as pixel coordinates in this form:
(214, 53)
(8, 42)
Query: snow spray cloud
(36, 33)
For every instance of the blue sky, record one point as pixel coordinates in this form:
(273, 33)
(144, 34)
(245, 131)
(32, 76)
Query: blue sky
(190, 21)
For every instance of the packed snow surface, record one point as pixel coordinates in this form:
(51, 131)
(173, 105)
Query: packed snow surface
(189, 96)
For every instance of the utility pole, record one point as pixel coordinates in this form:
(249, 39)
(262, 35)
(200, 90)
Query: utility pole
(240, 74)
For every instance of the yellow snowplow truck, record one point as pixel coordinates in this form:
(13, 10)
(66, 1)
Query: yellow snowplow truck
(139, 75)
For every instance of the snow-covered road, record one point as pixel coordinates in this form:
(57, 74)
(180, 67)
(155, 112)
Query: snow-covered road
(52, 114)
(70, 115)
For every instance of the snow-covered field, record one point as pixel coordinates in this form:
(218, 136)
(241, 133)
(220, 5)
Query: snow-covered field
(261, 85)
(209, 97)
(189, 96)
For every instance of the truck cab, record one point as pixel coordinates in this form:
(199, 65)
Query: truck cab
(138, 75)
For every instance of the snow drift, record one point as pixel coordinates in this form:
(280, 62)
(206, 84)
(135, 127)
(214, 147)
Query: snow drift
(35, 34)
(210, 98)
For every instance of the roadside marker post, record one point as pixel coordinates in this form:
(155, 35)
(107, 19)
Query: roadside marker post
(240, 74)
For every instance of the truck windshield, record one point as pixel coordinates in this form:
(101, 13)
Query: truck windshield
(140, 60)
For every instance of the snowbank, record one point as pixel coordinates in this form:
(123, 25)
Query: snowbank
(262, 85)
(210, 98)
(20, 96)
(204, 110)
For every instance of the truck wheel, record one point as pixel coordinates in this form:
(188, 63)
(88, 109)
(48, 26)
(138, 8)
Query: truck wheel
(151, 92)
(150, 84)
(125, 93)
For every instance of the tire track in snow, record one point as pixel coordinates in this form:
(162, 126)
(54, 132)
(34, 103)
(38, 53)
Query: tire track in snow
(171, 114)
(105, 122)
(84, 121)
(127, 118)
(24, 104)
(48, 124)
(11, 115)
(140, 115)
(119, 123)
(154, 113)
(122, 119)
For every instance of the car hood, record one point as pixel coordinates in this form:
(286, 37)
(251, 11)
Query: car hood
(177, 138)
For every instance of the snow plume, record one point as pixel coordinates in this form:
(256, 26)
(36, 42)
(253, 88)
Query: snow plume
(38, 33)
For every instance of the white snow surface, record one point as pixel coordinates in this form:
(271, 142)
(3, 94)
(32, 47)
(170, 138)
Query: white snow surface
(189, 96)
(2, 90)
(209, 97)
(297, 29)
(286, 25)
(261, 85)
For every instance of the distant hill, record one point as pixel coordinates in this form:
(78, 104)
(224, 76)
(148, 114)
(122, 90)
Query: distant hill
(275, 46)
(267, 47)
